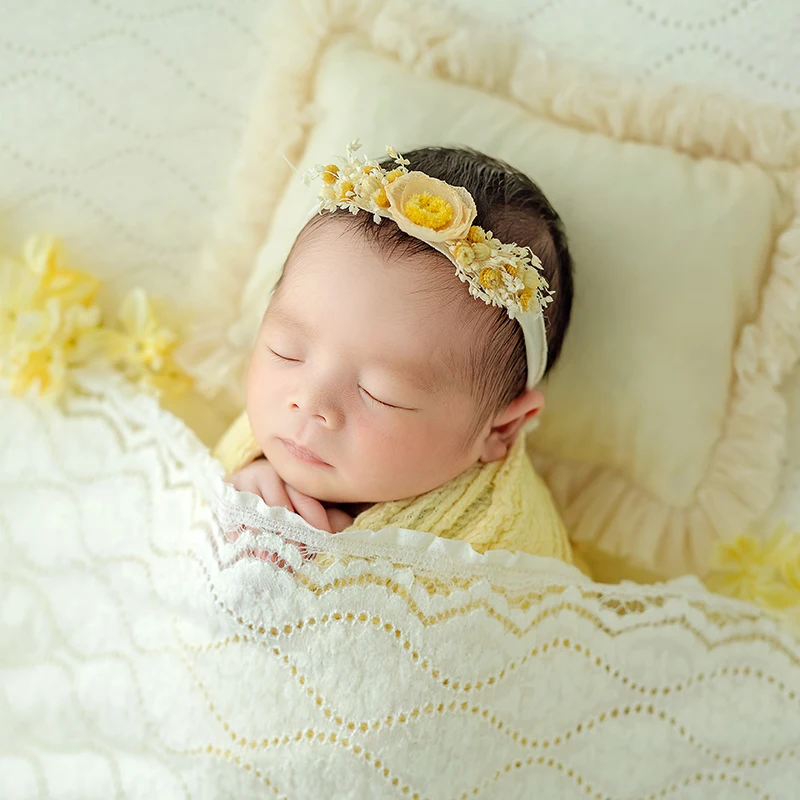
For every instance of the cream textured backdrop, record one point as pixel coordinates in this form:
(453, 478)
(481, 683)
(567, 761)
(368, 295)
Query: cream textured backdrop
(119, 121)
(741, 46)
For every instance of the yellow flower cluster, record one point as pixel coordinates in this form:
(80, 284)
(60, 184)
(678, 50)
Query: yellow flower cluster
(51, 324)
(762, 571)
(358, 184)
(503, 275)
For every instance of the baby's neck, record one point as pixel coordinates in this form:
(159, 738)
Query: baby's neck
(353, 509)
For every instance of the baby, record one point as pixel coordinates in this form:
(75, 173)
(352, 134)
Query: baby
(398, 361)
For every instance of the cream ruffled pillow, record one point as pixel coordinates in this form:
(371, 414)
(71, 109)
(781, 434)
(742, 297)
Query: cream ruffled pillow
(664, 429)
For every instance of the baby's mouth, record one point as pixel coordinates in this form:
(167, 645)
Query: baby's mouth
(303, 454)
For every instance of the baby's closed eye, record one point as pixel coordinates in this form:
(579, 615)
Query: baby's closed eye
(283, 356)
(385, 403)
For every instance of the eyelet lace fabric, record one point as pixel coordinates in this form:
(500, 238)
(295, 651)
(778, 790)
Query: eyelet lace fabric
(164, 636)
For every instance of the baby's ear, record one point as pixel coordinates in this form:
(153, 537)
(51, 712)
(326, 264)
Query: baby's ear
(508, 423)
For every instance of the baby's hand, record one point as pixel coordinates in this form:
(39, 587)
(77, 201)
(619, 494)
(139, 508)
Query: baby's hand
(260, 478)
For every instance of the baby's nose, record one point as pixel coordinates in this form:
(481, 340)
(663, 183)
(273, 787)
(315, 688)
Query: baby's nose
(319, 409)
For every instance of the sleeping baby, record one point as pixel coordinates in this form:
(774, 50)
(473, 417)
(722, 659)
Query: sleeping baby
(397, 364)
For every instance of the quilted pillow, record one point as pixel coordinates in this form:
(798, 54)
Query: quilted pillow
(664, 428)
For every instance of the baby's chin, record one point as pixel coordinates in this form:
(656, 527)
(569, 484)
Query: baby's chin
(323, 483)
(329, 484)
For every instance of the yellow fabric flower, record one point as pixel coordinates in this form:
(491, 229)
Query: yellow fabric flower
(149, 342)
(790, 569)
(44, 257)
(765, 572)
(47, 365)
(430, 209)
(50, 324)
(777, 596)
(43, 370)
(142, 347)
(46, 310)
(738, 568)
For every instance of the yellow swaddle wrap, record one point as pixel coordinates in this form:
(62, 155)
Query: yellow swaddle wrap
(503, 505)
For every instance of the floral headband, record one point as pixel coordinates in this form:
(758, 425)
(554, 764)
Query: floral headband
(441, 215)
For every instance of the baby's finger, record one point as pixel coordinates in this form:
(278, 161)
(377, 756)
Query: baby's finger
(273, 491)
(309, 509)
(339, 520)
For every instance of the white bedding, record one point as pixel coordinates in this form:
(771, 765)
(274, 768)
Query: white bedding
(145, 654)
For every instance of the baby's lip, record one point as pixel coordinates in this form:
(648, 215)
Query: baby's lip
(303, 453)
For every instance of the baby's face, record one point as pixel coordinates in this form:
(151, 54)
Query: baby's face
(353, 393)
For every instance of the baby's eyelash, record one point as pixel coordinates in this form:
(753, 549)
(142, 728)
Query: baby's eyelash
(387, 405)
(283, 358)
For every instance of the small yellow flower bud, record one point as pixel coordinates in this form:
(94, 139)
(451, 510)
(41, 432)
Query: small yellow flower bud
(511, 269)
(476, 234)
(462, 253)
(489, 278)
(369, 186)
(344, 188)
(393, 175)
(525, 297)
(530, 277)
(380, 198)
(330, 174)
(481, 251)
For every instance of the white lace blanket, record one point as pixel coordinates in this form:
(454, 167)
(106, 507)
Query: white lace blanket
(159, 640)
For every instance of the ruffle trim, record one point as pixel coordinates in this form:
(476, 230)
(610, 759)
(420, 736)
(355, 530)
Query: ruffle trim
(604, 510)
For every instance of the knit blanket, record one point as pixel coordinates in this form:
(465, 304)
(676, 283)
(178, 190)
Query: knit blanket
(164, 636)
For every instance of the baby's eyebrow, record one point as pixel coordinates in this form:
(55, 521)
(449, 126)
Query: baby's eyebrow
(298, 326)
(424, 380)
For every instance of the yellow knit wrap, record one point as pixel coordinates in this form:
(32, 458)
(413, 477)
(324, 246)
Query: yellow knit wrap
(503, 505)
(237, 447)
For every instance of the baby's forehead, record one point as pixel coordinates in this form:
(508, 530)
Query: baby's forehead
(399, 304)
(346, 251)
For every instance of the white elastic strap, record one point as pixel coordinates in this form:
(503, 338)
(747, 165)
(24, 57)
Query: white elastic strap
(532, 330)
(535, 346)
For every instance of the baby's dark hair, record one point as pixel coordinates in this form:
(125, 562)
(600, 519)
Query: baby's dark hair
(513, 207)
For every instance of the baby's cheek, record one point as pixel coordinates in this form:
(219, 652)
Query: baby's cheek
(264, 394)
(397, 448)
